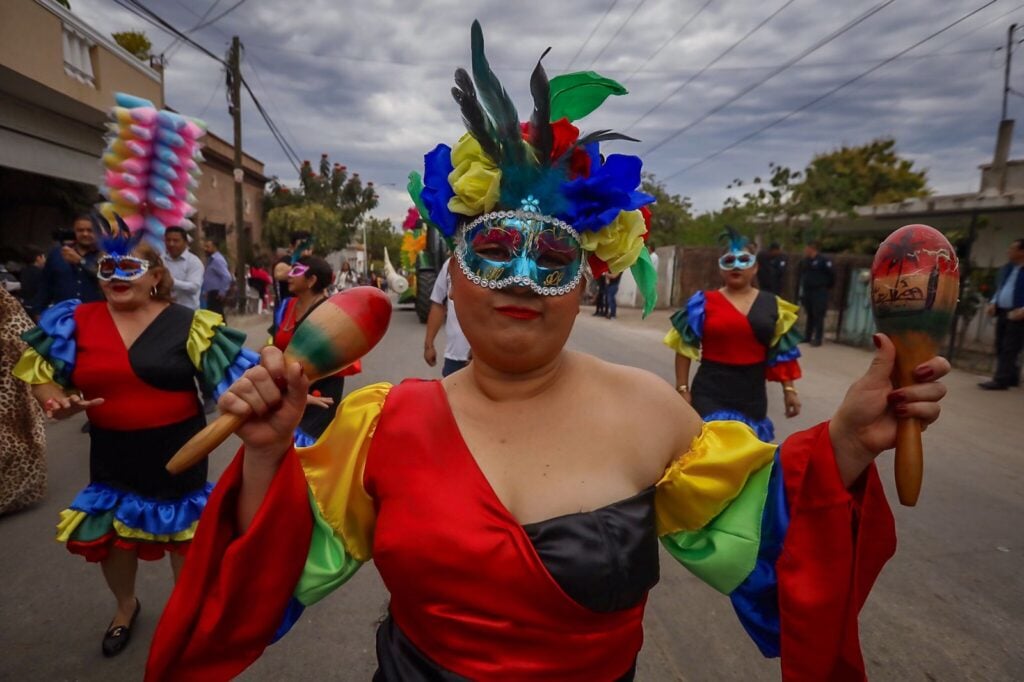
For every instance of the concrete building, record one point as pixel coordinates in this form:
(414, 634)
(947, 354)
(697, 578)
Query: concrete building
(58, 76)
(215, 199)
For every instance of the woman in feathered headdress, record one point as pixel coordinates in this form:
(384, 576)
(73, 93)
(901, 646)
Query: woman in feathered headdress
(130, 362)
(514, 508)
(743, 337)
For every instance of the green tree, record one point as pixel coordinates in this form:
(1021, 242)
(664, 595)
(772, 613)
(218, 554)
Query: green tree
(845, 178)
(330, 203)
(670, 213)
(136, 42)
(381, 233)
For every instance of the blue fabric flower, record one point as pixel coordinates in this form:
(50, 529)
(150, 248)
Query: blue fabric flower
(54, 339)
(596, 201)
(437, 164)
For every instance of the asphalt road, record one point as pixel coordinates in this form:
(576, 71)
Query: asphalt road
(949, 606)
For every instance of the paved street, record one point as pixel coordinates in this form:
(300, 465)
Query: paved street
(949, 606)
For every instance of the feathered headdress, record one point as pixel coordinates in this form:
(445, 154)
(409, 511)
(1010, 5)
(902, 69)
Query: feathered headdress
(116, 239)
(733, 239)
(542, 166)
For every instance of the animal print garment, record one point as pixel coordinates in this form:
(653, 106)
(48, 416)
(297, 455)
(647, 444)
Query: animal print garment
(22, 437)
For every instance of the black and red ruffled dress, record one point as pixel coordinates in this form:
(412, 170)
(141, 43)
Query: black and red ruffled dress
(150, 410)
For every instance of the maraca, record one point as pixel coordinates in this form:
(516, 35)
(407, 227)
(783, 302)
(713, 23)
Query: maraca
(915, 284)
(336, 334)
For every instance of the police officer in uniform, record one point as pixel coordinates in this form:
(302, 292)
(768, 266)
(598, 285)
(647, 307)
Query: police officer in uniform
(816, 278)
(771, 269)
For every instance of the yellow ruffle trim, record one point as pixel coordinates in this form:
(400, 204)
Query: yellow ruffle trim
(71, 519)
(788, 312)
(200, 335)
(698, 485)
(674, 341)
(33, 368)
(334, 469)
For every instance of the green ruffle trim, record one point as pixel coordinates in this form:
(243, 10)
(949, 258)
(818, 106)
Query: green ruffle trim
(680, 321)
(225, 346)
(329, 564)
(42, 343)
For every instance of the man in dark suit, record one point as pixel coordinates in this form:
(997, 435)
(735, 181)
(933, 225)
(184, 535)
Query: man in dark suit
(1007, 306)
(816, 278)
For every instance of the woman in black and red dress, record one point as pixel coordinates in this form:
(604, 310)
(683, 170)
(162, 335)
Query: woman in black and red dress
(131, 364)
(308, 281)
(743, 337)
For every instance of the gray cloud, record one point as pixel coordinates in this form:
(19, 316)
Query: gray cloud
(369, 83)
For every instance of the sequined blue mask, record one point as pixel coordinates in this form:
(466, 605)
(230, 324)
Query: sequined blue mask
(521, 248)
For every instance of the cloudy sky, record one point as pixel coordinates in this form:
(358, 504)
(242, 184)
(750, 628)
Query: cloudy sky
(368, 82)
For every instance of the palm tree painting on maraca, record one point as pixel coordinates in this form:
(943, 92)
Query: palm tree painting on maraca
(915, 282)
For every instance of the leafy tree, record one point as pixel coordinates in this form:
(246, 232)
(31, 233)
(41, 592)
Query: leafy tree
(136, 42)
(670, 214)
(381, 233)
(330, 203)
(869, 174)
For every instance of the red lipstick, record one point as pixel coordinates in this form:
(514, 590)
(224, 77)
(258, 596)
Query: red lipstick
(518, 313)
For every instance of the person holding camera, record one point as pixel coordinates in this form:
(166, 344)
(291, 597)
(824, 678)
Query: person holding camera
(70, 269)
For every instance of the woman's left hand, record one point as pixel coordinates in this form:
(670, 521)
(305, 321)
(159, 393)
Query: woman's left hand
(865, 423)
(792, 404)
(317, 400)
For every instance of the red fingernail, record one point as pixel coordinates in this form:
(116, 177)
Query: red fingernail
(877, 339)
(896, 398)
(924, 373)
(317, 394)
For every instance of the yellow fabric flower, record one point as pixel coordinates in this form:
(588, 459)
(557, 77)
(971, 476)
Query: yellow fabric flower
(476, 181)
(619, 243)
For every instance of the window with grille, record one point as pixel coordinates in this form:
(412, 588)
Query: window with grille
(78, 55)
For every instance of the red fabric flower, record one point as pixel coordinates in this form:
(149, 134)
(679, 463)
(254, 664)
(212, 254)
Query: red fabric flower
(646, 213)
(597, 266)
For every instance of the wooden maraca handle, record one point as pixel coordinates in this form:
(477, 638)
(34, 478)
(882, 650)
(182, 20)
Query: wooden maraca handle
(204, 442)
(909, 464)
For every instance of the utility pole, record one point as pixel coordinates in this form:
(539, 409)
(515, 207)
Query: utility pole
(1006, 70)
(242, 241)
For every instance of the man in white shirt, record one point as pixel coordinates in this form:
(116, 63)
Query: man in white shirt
(456, 348)
(184, 266)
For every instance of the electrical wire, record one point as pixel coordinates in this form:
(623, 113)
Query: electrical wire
(604, 16)
(617, 32)
(775, 72)
(826, 95)
(174, 43)
(220, 16)
(714, 61)
(670, 39)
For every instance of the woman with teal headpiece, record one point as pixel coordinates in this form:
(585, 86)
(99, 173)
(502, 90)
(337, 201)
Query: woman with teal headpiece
(743, 338)
(514, 508)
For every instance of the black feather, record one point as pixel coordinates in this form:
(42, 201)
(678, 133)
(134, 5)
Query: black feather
(477, 122)
(541, 136)
(496, 101)
(590, 138)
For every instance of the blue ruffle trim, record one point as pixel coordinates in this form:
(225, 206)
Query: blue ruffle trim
(244, 360)
(764, 429)
(58, 324)
(291, 616)
(756, 600)
(159, 517)
(695, 314)
(791, 354)
(303, 439)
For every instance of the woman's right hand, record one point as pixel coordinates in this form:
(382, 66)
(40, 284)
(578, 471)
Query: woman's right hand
(271, 397)
(66, 406)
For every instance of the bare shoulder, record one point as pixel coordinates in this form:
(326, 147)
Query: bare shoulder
(666, 420)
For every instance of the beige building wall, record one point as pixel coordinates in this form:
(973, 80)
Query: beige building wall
(215, 198)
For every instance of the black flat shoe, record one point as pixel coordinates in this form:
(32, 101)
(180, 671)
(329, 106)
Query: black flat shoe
(993, 386)
(117, 638)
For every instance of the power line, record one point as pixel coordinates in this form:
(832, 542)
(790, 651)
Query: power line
(711, 63)
(149, 15)
(174, 43)
(604, 16)
(670, 39)
(742, 93)
(220, 16)
(985, 25)
(831, 92)
(252, 66)
(618, 31)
